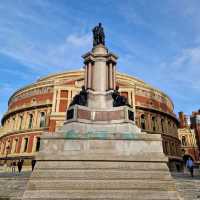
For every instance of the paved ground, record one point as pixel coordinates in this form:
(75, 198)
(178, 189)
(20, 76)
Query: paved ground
(188, 187)
(12, 186)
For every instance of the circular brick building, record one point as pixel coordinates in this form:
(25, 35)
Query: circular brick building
(41, 107)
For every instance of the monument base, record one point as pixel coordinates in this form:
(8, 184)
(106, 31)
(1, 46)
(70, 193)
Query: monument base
(98, 166)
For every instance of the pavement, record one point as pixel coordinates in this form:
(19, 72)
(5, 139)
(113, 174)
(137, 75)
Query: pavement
(12, 185)
(187, 186)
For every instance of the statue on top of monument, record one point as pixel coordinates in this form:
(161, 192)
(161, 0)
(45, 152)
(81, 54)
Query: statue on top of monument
(98, 35)
(119, 100)
(81, 98)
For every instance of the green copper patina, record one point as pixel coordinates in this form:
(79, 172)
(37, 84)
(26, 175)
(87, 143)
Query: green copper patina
(101, 135)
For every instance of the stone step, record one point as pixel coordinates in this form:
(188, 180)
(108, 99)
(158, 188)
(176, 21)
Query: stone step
(100, 195)
(99, 174)
(52, 184)
(143, 166)
(12, 188)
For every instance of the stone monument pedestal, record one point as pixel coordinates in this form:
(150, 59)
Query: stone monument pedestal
(100, 165)
(100, 153)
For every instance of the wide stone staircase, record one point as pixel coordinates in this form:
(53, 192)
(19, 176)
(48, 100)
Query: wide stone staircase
(12, 186)
(97, 180)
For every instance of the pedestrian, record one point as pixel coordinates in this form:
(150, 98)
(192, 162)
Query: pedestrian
(33, 164)
(19, 165)
(190, 166)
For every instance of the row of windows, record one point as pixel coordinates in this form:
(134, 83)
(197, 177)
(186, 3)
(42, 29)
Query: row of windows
(155, 125)
(13, 148)
(188, 141)
(22, 119)
(170, 148)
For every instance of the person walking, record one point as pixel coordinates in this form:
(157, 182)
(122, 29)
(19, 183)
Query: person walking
(190, 166)
(19, 165)
(33, 164)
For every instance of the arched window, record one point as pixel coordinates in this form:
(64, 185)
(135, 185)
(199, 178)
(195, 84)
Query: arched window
(25, 144)
(183, 141)
(42, 120)
(13, 122)
(142, 121)
(30, 124)
(20, 122)
(162, 125)
(154, 123)
(169, 126)
(166, 147)
(14, 145)
(37, 148)
(173, 149)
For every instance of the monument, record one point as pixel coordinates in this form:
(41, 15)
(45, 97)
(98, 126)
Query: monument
(100, 153)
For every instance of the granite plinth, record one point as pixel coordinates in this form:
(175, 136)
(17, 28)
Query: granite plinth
(110, 116)
(101, 165)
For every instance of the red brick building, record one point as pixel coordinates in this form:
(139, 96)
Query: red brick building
(189, 135)
(41, 107)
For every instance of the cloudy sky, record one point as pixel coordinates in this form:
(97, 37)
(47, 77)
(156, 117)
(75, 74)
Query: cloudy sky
(156, 41)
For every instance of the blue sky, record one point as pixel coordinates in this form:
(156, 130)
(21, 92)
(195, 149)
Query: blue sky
(156, 41)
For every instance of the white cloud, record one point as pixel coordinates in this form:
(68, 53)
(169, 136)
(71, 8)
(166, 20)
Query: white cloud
(79, 40)
(183, 70)
(49, 57)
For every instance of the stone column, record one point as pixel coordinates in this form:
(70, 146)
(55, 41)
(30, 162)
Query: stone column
(99, 75)
(89, 78)
(86, 72)
(110, 76)
(114, 76)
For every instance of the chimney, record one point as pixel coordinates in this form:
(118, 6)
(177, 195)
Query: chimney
(181, 119)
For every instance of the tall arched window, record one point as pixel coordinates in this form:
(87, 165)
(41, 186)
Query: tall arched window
(13, 123)
(37, 148)
(166, 147)
(142, 121)
(25, 145)
(16, 145)
(42, 120)
(20, 122)
(30, 124)
(169, 126)
(162, 125)
(183, 141)
(154, 123)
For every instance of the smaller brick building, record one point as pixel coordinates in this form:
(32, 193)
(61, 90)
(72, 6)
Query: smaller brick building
(189, 137)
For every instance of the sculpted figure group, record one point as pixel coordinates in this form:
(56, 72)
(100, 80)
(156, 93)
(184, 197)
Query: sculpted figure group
(119, 100)
(81, 98)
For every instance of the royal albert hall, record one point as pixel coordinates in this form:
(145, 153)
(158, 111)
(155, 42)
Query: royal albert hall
(41, 107)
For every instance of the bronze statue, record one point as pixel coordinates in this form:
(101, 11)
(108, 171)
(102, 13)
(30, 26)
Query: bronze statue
(119, 100)
(80, 99)
(98, 35)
